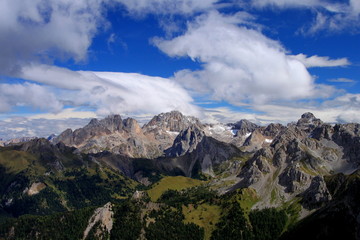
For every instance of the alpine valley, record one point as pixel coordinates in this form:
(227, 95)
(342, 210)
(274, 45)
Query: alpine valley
(178, 178)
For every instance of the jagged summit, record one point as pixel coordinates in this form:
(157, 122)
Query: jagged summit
(173, 121)
(125, 136)
(308, 115)
(245, 124)
(308, 120)
(185, 142)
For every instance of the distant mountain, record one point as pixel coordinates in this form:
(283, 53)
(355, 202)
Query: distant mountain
(15, 141)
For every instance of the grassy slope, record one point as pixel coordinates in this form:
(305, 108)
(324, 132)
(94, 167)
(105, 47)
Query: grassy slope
(15, 161)
(173, 183)
(204, 215)
(72, 188)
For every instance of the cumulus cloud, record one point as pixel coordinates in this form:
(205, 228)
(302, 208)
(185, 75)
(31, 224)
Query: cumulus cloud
(27, 94)
(45, 29)
(109, 92)
(316, 61)
(239, 63)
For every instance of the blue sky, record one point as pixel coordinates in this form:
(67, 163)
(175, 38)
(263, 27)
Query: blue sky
(63, 62)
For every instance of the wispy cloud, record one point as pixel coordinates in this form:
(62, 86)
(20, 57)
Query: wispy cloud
(317, 61)
(330, 16)
(143, 7)
(342, 80)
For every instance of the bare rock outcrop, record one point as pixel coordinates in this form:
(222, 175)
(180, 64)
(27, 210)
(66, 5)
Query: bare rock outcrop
(103, 216)
(294, 180)
(185, 142)
(316, 195)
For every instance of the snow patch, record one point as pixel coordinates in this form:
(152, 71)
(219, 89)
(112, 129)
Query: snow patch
(217, 129)
(173, 133)
(234, 131)
(268, 140)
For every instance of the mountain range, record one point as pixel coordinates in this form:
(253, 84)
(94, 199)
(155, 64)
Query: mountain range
(304, 176)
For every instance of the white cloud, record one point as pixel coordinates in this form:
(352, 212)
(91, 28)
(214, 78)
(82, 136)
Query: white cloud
(286, 3)
(355, 6)
(343, 109)
(27, 94)
(239, 63)
(140, 7)
(330, 16)
(316, 61)
(107, 92)
(64, 114)
(342, 80)
(46, 29)
(16, 127)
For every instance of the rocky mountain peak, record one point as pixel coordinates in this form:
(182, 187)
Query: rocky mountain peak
(308, 115)
(308, 120)
(132, 126)
(112, 122)
(173, 121)
(185, 142)
(37, 144)
(93, 122)
(245, 124)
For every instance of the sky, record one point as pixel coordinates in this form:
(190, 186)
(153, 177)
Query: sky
(63, 62)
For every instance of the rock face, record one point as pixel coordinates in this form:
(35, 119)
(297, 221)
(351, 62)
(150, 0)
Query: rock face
(207, 154)
(185, 142)
(173, 121)
(244, 126)
(316, 195)
(35, 188)
(127, 137)
(308, 120)
(165, 127)
(294, 161)
(103, 216)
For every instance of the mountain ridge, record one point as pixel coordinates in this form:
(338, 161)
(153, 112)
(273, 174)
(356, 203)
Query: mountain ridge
(300, 168)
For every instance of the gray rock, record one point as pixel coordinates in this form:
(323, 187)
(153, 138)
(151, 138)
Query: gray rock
(185, 142)
(293, 179)
(316, 195)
